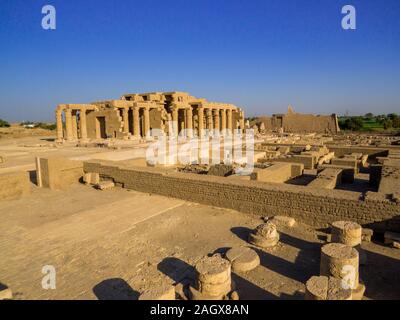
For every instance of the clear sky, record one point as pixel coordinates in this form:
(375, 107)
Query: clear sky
(258, 54)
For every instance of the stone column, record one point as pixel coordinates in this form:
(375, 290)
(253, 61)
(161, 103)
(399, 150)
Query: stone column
(146, 115)
(350, 234)
(223, 121)
(213, 279)
(326, 288)
(38, 173)
(229, 125)
(83, 126)
(59, 125)
(175, 120)
(340, 261)
(74, 125)
(242, 121)
(200, 118)
(209, 119)
(68, 124)
(136, 126)
(125, 119)
(189, 122)
(216, 121)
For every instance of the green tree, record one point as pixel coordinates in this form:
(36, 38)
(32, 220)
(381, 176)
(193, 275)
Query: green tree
(396, 122)
(388, 124)
(368, 116)
(4, 123)
(353, 123)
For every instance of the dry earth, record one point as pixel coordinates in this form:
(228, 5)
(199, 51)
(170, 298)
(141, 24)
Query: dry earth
(114, 244)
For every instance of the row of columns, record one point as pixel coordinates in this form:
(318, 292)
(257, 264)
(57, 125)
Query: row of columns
(71, 126)
(216, 119)
(136, 120)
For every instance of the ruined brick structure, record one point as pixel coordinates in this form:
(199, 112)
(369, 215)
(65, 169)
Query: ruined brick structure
(134, 115)
(314, 205)
(300, 123)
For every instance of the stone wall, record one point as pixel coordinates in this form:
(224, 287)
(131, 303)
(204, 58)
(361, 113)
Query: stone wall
(300, 123)
(373, 152)
(306, 160)
(311, 205)
(304, 123)
(58, 172)
(155, 119)
(328, 178)
(113, 124)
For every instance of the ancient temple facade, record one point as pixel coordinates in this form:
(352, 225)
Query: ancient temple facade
(136, 115)
(293, 122)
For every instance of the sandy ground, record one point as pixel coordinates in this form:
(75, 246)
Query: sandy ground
(113, 244)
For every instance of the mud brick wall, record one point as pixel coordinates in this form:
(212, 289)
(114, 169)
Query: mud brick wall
(390, 179)
(311, 205)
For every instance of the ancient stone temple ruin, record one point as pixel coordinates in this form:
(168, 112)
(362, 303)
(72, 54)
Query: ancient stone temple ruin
(299, 123)
(134, 115)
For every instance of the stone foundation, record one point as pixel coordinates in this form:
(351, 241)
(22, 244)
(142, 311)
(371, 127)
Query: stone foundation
(317, 207)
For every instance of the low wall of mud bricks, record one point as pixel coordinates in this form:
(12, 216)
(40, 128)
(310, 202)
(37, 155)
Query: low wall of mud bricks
(311, 205)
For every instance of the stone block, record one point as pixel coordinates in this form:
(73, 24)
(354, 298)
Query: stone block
(59, 172)
(105, 185)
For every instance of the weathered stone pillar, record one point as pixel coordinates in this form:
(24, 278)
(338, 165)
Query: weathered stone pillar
(136, 126)
(241, 121)
(213, 279)
(74, 125)
(68, 124)
(346, 232)
(200, 118)
(189, 122)
(340, 261)
(146, 115)
(265, 235)
(229, 125)
(223, 121)
(209, 119)
(326, 288)
(175, 121)
(216, 121)
(125, 119)
(83, 126)
(349, 233)
(59, 124)
(38, 173)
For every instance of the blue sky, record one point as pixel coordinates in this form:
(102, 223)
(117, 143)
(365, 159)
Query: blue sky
(258, 54)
